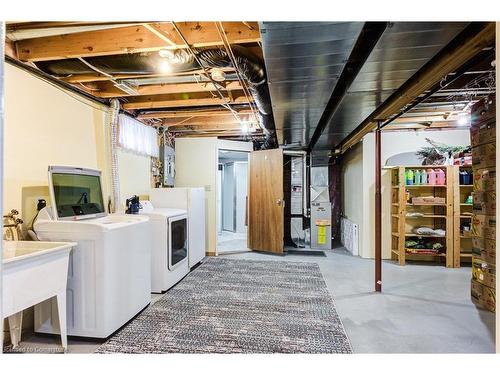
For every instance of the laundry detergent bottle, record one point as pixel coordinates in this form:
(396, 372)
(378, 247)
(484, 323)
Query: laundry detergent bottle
(423, 177)
(418, 176)
(409, 177)
(431, 176)
(440, 177)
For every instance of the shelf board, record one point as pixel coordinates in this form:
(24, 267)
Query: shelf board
(466, 237)
(423, 235)
(466, 185)
(426, 216)
(425, 186)
(466, 255)
(427, 204)
(409, 253)
(465, 216)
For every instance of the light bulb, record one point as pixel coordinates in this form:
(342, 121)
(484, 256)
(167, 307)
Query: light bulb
(165, 67)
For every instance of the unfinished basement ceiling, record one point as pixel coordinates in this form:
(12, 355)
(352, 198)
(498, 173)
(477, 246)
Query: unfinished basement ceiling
(304, 61)
(154, 70)
(302, 74)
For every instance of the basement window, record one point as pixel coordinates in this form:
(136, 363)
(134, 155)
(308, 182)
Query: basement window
(136, 137)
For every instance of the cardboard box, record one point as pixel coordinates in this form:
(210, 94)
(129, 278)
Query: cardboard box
(428, 200)
(483, 296)
(484, 202)
(484, 249)
(484, 156)
(483, 272)
(484, 179)
(484, 226)
(483, 111)
(484, 133)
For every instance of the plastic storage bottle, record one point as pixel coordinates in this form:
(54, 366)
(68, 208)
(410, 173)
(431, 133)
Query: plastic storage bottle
(441, 177)
(409, 177)
(417, 177)
(423, 177)
(431, 176)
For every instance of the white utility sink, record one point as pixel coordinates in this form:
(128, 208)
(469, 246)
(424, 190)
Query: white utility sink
(34, 271)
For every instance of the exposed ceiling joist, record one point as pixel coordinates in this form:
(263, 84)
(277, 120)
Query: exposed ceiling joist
(152, 102)
(201, 121)
(204, 127)
(131, 39)
(186, 114)
(10, 48)
(108, 90)
(95, 77)
(471, 41)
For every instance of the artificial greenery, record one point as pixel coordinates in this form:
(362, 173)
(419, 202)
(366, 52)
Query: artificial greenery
(437, 152)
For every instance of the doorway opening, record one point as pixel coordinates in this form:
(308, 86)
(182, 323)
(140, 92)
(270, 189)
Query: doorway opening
(232, 224)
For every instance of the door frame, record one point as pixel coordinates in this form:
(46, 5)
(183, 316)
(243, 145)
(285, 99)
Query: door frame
(237, 146)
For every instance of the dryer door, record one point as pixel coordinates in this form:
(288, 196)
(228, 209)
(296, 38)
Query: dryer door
(177, 241)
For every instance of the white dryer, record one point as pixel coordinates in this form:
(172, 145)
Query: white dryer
(170, 247)
(193, 201)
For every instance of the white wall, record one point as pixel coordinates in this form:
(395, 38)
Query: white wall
(241, 173)
(43, 126)
(196, 166)
(352, 187)
(134, 174)
(392, 143)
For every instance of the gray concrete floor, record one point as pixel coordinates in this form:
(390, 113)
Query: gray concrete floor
(423, 308)
(231, 242)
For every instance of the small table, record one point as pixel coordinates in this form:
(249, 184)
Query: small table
(34, 271)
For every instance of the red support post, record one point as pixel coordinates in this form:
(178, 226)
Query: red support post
(378, 212)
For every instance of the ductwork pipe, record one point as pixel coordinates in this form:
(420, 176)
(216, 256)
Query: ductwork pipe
(181, 60)
(113, 113)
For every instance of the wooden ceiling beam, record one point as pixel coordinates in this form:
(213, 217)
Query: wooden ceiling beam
(132, 39)
(108, 90)
(152, 102)
(203, 127)
(10, 48)
(187, 114)
(433, 118)
(96, 77)
(205, 121)
(230, 133)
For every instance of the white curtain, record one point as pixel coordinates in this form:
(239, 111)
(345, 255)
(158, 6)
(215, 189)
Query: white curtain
(137, 137)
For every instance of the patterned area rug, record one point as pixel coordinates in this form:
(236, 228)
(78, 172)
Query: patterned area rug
(239, 306)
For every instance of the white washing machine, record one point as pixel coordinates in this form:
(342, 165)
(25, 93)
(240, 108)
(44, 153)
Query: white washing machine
(170, 247)
(109, 276)
(193, 201)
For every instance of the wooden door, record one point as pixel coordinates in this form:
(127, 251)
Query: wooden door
(265, 201)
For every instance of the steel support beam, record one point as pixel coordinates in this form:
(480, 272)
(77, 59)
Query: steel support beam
(378, 211)
(367, 39)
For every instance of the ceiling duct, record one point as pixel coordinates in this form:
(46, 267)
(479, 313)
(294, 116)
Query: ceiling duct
(251, 68)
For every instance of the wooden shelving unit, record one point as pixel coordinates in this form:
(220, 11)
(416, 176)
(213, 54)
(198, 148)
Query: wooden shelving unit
(433, 215)
(462, 214)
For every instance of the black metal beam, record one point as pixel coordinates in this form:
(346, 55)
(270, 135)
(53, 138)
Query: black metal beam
(367, 39)
(451, 49)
